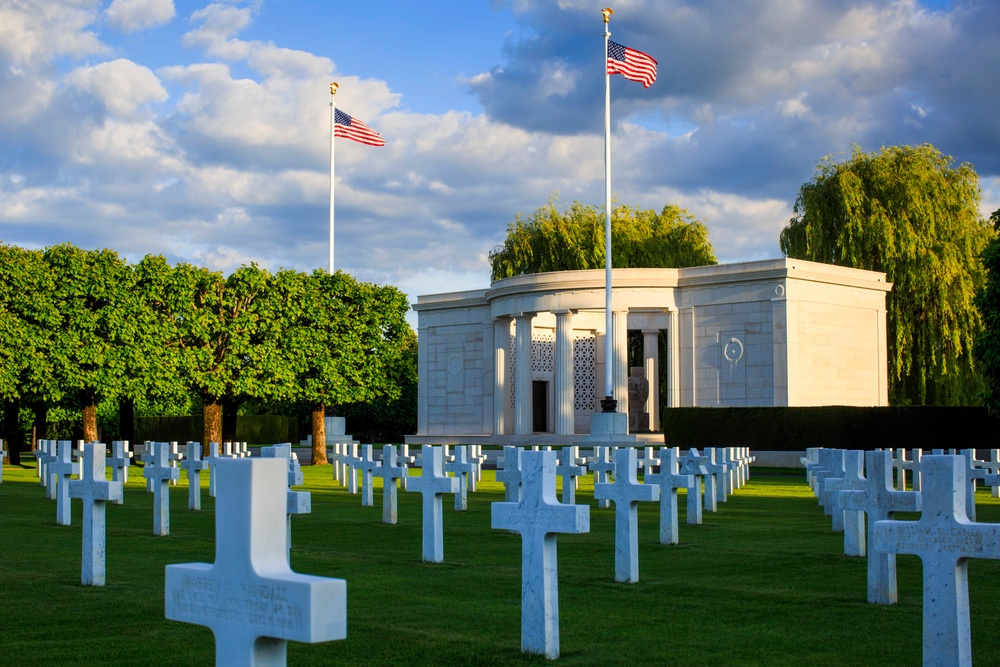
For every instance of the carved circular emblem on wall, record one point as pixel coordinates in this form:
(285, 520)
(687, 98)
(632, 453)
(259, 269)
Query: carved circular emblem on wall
(454, 364)
(779, 291)
(733, 351)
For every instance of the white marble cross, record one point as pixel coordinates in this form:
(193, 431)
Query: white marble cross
(714, 469)
(852, 521)
(432, 483)
(94, 490)
(175, 458)
(831, 464)
(478, 459)
(973, 473)
(193, 465)
(904, 465)
(405, 460)
(389, 471)
(719, 469)
(159, 473)
(61, 471)
(880, 501)
(601, 464)
(351, 461)
(367, 465)
(538, 516)
(297, 502)
(121, 458)
(249, 597)
(669, 479)
(510, 474)
(333, 457)
(626, 492)
(695, 465)
(464, 470)
(46, 454)
(993, 466)
(571, 466)
(213, 457)
(944, 538)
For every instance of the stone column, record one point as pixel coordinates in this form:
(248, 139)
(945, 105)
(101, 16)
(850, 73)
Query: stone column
(620, 374)
(501, 384)
(673, 397)
(565, 410)
(687, 358)
(422, 365)
(522, 374)
(784, 348)
(651, 356)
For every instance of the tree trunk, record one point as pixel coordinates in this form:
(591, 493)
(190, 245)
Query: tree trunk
(90, 419)
(12, 436)
(230, 409)
(212, 419)
(126, 419)
(319, 435)
(40, 428)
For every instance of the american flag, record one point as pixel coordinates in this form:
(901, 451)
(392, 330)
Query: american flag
(352, 128)
(634, 65)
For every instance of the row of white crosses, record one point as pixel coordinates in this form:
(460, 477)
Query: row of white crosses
(531, 509)
(945, 536)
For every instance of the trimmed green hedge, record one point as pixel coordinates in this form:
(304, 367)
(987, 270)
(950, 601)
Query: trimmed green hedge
(254, 429)
(844, 427)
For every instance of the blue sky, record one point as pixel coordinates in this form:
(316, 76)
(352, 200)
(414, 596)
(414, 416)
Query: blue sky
(200, 130)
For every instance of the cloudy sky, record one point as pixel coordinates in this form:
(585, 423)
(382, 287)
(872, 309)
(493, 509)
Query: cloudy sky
(200, 130)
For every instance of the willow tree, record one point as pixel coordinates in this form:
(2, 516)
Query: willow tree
(554, 240)
(909, 212)
(987, 348)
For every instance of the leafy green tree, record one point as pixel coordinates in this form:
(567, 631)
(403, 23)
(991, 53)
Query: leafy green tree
(27, 326)
(908, 212)
(554, 240)
(347, 340)
(94, 301)
(987, 347)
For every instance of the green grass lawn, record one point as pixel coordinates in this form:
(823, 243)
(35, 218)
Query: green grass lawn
(762, 582)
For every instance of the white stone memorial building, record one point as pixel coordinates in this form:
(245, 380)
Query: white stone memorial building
(522, 362)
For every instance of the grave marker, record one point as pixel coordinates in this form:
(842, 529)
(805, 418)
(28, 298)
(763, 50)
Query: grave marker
(121, 457)
(510, 474)
(538, 517)
(945, 538)
(626, 492)
(880, 501)
(194, 464)
(249, 597)
(94, 490)
(570, 468)
(405, 460)
(464, 469)
(669, 480)
(367, 465)
(159, 474)
(695, 465)
(389, 471)
(602, 466)
(853, 521)
(61, 471)
(993, 466)
(432, 484)
(973, 473)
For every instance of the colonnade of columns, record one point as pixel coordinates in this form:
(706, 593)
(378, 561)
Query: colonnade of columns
(516, 416)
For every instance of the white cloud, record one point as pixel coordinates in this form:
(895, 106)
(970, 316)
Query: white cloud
(34, 33)
(133, 15)
(121, 86)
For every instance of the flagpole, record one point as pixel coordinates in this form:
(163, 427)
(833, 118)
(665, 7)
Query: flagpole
(333, 110)
(608, 404)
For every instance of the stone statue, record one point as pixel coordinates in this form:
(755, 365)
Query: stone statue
(638, 392)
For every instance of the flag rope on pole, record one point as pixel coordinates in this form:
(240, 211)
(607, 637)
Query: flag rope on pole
(333, 115)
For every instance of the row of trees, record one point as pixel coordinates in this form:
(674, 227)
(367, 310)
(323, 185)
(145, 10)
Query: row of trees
(81, 327)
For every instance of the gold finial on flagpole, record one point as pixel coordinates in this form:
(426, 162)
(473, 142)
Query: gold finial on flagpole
(333, 88)
(607, 12)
